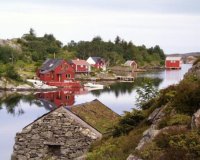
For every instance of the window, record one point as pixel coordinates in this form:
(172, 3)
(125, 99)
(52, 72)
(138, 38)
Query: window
(67, 97)
(68, 75)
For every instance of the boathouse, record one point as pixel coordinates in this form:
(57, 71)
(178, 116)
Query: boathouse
(132, 64)
(64, 134)
(97, 62)
(56, 70)
(80, 66)
(173, 62)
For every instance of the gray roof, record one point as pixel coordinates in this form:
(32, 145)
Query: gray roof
(49, 65)
(96, 59)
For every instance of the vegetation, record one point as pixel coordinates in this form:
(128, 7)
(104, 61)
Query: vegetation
(117, 52)
(33, 50)
(176, 139)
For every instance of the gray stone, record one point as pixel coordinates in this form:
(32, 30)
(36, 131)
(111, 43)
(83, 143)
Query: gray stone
(196, 120)
(132, 157)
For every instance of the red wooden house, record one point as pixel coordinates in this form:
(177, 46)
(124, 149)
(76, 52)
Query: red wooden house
(80, 66)
(97, 62)
(173, 63)
(56, 72)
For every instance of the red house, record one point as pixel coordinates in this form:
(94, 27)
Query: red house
(56, 70)
(173, 63)
(80, 66)
(97, 62)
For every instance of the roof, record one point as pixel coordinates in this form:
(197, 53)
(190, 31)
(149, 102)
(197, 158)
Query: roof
(129, 62)
(71, 115)
(80, 62)
(49, 65)
(96, 114)
(174, 58)
(96, 59)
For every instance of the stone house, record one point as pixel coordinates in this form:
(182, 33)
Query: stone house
(59, 134)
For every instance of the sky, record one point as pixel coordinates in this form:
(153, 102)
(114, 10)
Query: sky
(174, 25)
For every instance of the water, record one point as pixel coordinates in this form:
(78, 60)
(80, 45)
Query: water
(18, 110)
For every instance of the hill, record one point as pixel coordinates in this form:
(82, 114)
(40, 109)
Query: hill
(167, 127)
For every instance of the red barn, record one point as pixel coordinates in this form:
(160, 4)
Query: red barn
(80, 66)
(173, 63)
(97, 62)
(56, 70)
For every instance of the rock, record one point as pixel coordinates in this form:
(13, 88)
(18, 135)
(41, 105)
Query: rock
(153, 115)
(132, 157)
(24, 87)
(196, 120)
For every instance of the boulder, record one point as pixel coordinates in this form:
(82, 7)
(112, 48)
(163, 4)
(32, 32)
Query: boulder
(132, 157)
(196, 120)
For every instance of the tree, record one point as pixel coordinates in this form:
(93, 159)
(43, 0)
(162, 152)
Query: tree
(32, 32)
(145, 93)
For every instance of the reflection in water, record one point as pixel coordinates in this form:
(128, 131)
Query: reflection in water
(120, 89)
(12, 102)
(63, 97)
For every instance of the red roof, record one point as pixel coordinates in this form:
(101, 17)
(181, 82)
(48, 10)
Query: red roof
(80, 62)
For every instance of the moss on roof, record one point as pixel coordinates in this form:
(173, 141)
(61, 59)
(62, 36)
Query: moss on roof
(97, 115)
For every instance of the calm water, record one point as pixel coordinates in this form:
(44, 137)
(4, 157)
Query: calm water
(17, 111)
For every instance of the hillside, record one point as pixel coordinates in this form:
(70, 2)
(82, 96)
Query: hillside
(22, 56)
(167, 127)
(195, 54)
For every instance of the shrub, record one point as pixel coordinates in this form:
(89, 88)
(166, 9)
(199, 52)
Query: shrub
(179, 144)
(11, 73)
(178, 119)
(187, 99)
(129, 121)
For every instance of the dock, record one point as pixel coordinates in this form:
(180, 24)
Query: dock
(125, 78)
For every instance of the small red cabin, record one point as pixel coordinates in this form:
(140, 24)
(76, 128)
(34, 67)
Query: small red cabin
(173, 63)
(97, 62)
(80, 66)
(56, 70)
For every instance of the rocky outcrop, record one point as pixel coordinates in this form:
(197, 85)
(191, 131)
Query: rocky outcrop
(11, 43)
(196, 120)
(132, 157)
(8, 85)
(194, 71)
(154, 118)
(57, 135)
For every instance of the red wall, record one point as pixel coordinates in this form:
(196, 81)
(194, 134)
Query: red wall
(64, 68)
(172, 64)
(99, 64)
(78, 68)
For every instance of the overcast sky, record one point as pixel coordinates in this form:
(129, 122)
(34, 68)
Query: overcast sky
(172, 24)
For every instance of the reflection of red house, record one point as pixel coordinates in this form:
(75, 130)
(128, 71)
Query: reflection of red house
(173, 63)
(59, 98)
(64, 97)
(80, 66)
(97, 62)
(55, 70)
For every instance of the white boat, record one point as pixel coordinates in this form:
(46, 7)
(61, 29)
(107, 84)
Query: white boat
(94, 85)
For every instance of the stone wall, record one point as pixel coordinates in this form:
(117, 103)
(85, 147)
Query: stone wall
(56, 135)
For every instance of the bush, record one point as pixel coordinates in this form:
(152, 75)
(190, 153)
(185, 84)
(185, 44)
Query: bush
(179, 144)
(129, 121)
(12, 74)
(178, 119)
(187, 98)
